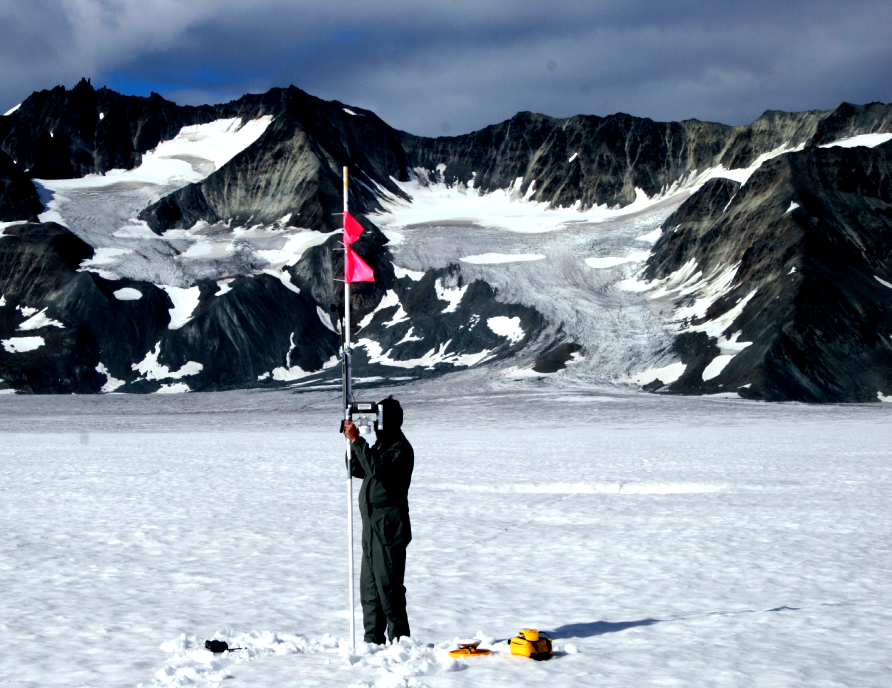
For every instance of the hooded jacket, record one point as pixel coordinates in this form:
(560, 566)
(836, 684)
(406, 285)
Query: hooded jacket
(385, 469)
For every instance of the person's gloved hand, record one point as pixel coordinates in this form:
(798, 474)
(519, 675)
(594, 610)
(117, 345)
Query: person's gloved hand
(351, 432)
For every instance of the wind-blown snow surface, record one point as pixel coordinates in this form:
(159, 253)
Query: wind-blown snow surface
(662, 541)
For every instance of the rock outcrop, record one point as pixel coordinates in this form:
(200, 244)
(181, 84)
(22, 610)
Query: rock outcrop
(807, 314)
(18, 197)
(62, 134)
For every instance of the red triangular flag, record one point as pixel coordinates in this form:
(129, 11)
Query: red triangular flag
(352, 230)
(356, 269)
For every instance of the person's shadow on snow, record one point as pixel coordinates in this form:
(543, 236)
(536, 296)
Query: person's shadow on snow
(589, 630)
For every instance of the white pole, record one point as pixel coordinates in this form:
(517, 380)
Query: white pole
(349, 399)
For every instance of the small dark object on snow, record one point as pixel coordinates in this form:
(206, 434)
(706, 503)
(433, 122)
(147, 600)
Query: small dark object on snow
(218, 646)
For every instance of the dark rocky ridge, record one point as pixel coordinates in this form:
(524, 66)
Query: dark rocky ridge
(294, 168)
(819, 320)
(62, 134)
(806, 330)
(18, 197)
(296, 165)
(617, 154)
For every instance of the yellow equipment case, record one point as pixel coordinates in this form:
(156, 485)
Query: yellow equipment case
(532, 644)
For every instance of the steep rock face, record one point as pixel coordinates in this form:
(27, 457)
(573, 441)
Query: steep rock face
(18, 197)
(61, 134)
(294, 169)
(595, 160)
(235, 338)
(603, 160)
(797, 262)
(56, 322)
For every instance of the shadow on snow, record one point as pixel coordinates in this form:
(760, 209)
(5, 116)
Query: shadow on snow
(589, 630)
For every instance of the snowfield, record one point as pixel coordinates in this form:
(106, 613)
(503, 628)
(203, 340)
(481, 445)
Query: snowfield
(662, 541)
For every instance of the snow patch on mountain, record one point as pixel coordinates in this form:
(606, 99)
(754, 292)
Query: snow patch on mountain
(436, 355)
(174, 388)
(665, 374)
(506, 327)
(325, 319)
(39, 320)
(866, 140)
(716, 366)
(400, 316)
(151, 369)
(451, 295)
(401, 272)
(128, 294)
(185, 301)
(189, 157)
(18, 345)
(9, 112)
(111, 383)
(692, 181)
(290, 372)
(4, 225)
(651, 237)
(285, 278)
(409, 337)
(389, 300)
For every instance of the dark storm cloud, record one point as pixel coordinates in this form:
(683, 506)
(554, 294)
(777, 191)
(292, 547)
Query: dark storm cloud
(457, 65)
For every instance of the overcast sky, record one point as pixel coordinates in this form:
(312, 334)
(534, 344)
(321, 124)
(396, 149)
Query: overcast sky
(454, 66)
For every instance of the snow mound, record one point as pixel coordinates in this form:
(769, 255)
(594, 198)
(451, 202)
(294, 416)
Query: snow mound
(382, 666)
(191, 664)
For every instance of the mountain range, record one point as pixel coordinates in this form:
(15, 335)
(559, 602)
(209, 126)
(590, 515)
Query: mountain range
(153, 247)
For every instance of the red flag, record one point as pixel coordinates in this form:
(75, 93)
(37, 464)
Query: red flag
(356, 269)
(352, 230)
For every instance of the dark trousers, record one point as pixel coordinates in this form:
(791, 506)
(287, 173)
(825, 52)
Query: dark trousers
(381, 589)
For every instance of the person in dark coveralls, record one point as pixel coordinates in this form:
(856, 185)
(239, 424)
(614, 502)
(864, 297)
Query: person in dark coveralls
(386, 471)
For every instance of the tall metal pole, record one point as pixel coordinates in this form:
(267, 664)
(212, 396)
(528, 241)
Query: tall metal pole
(348, 399)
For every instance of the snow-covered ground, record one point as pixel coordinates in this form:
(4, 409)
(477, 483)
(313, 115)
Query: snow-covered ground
(662, 541)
